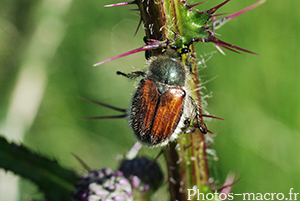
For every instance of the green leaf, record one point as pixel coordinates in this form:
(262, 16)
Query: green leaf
(55, 181)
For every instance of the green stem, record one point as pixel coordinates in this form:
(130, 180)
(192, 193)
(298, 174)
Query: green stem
(186, 160)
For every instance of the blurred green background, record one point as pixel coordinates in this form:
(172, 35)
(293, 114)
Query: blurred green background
(48, 47)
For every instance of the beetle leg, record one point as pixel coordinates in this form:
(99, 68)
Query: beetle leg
(187, 129)
(189, 65)
(132, 75)
(190, 130)
(187, 123)
(200, 123)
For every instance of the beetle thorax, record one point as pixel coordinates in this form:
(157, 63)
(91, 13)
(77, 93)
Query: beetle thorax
(166, 72)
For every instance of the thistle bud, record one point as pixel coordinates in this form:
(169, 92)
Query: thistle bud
(143, 173)
(103, 185)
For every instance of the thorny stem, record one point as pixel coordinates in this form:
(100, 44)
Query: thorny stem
(174, 23)
(186, 161)
(174, 173)
(197, 86)
(150, 16)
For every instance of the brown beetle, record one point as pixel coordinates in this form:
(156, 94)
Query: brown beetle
(161, 107)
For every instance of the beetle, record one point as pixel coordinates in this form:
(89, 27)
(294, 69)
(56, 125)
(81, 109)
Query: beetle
(161, 107)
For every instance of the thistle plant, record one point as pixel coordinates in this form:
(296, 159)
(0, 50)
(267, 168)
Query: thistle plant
(179, 25)
(170, 24)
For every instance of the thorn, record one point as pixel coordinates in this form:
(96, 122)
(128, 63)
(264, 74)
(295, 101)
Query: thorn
(105, 105)
(214, 9)
(138, 27)
(120, 4)
(213, 117)
(192, 6)
(219, 22)
(229, 182)
(150, 46)
(155, 159)
(228, 46)
(134, 9)
(106, 117)
(244, 10)
(83, 164)
(220, 50)
(216, 15)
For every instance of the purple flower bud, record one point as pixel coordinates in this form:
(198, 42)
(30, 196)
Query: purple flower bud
(103, 185)
(143, 173)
